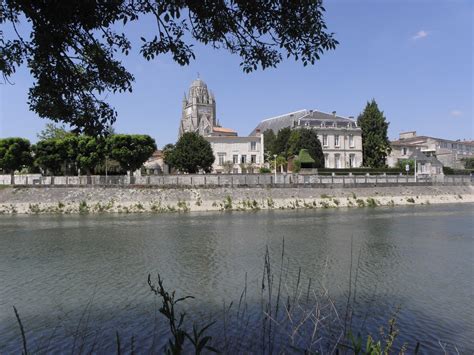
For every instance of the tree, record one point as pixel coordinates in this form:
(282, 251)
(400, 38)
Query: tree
(53, 131)
(130, 150)
(15, 153)
(228, 166)
(281, 145)
(90, 152)
(402, 163)
(56, 155)
(74, 57)
(191, 154)
(269, 142)
(375, 142)
(306, 139)
(468, 163)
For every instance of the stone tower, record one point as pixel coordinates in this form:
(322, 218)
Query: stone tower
(199, 110)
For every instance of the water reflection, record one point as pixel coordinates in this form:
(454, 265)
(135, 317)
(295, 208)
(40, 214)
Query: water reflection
(420, 258)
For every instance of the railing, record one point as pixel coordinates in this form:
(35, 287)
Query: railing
(233, 180)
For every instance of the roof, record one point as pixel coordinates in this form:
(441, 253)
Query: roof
(422, 139)
(302, 118)
(227, 139)
(419, 156)
(223, 130)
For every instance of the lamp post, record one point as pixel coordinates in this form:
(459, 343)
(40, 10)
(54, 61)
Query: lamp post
(275, 157)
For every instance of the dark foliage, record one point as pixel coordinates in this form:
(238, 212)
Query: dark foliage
(73, 47)
(307, 139)
(375, 142)
(191, 154)
(130, 150)
(15, 153)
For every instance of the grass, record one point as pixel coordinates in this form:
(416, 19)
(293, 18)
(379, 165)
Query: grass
(410, 200)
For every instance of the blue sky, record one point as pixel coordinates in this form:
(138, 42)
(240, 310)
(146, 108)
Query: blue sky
(415, 58)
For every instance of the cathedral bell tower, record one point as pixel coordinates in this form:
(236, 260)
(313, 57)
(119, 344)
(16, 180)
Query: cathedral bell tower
(199, 110)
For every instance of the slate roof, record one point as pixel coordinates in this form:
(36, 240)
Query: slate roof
(420, 156)
(422, 139)
(305, 118)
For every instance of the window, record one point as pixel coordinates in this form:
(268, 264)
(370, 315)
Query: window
(243, 159)
(326, 160)
(336, 140)
(352, 160)
(253, 146)
(404, 151)
(325, 140)
(351, 141)
(221, 158)
(337, 160)
(235, 159)
(253, 159)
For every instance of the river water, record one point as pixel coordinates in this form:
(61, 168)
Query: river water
(80, 279)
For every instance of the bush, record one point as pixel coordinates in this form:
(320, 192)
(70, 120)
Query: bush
(264, 170)
(361, 171)
(450, 171)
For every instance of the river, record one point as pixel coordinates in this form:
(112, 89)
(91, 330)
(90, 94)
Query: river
(80, 279)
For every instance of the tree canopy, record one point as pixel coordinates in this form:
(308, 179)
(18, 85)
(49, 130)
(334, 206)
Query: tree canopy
(15, 153)
(73, 49)
(130, 150)
(375, 142)
(281, 144)
(191, 154)
(90, 152)
(304, 138)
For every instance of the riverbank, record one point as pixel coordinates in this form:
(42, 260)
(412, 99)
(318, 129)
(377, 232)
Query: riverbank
(26, 200)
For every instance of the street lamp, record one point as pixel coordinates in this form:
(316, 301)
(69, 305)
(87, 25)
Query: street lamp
(275, 157)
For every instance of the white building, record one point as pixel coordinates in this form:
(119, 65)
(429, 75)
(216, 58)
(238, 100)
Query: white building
(340, 137)
(450, 153)
(237, 154)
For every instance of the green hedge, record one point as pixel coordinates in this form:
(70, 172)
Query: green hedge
(361, 171)
(450, 171)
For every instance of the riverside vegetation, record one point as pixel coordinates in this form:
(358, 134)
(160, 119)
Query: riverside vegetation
(294, 316)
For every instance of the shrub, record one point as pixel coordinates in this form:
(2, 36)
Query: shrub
(264, 170)
(371, 202)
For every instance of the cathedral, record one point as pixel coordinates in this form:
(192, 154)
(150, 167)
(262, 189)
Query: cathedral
(199, 112)
(233, 154)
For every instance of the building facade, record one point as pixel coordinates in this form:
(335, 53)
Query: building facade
(233, 154)
(340, 137)
(237, 154)
(450, 153)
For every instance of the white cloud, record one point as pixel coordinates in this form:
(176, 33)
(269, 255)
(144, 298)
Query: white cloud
(420, 34)
(456, 113)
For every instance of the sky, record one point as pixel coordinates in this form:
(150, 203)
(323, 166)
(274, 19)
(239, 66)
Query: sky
(414, 57)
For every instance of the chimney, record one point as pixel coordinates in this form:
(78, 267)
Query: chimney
(257, 132)
(334, 113)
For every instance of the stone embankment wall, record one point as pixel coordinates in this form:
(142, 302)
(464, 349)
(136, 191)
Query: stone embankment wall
(35, 200)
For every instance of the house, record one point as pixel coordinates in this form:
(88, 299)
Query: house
(450, 153)
(340, 137)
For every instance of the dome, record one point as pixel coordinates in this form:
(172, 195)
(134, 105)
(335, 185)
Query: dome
(198, 90)
(198, 83)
